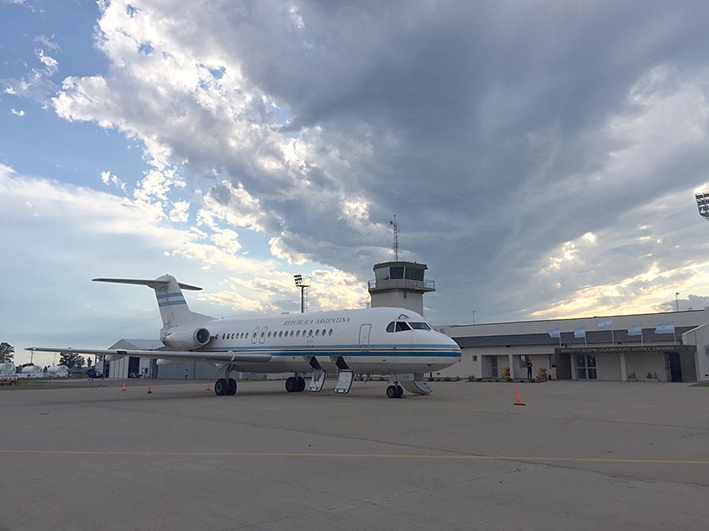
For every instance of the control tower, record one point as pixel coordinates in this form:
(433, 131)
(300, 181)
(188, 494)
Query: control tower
(400, 284)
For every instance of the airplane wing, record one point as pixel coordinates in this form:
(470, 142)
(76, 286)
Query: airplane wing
(230, 356)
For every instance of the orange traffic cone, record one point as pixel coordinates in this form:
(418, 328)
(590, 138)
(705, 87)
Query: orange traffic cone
(124, 387)
(517, 401)
(207, 385)
(149, 389)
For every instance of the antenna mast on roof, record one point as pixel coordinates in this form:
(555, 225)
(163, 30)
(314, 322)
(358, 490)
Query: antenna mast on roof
(395, 227)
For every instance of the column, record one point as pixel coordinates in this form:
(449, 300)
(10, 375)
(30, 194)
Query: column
(574, 372)
(623, 372)
(511, 359)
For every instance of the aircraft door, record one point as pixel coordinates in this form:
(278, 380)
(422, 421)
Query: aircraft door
(364, 331)
(254, 335)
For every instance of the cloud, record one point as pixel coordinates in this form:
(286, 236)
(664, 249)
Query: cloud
(107, 178)
(520, 145)
(17, 113)
(36, 84)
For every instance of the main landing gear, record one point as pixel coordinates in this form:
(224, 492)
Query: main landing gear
(295, 384)
(225, 386)
(395, 391)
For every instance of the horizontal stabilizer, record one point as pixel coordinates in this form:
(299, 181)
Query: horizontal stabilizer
(151, 283)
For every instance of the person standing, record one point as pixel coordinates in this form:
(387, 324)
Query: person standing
(529, 368)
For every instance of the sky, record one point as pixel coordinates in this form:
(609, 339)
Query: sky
(541, 157)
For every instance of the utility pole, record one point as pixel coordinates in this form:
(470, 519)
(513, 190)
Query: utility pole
(474, 312)
(677, 300)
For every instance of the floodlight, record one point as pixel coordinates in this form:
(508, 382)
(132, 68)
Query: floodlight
(703, 204)
(303, 283)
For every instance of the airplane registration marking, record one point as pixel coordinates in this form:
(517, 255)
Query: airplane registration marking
(606, 460)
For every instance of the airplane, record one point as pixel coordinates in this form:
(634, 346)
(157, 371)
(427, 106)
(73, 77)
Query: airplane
(394, 342)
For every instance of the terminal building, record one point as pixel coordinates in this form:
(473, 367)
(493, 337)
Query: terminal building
(659, 347)
(641, 347)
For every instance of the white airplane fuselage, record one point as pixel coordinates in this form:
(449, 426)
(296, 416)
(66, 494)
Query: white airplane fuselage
(359, 337)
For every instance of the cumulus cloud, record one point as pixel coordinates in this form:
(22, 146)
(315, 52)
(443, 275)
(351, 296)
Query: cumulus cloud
(107, 178)
(521, 145)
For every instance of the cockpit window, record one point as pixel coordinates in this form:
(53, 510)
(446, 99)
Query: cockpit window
(420, 326)
(400, 326)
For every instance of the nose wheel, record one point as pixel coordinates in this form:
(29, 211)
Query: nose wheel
(395, 391)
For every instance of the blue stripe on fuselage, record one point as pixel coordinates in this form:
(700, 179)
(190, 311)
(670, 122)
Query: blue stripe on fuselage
(347, 353)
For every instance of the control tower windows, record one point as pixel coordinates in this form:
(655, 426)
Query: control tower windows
(396, 272)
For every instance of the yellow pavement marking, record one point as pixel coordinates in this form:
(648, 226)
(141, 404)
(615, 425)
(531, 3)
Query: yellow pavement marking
(361, 456)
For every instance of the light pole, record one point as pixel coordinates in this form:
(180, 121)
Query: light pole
(474, 312)
(677, 300)
(303, 283)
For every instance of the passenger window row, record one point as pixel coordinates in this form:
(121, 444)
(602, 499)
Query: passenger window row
(279, 334)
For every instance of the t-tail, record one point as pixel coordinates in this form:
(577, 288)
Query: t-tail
(172, 304)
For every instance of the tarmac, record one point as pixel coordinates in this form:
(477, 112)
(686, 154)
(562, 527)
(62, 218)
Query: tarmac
(579, 455)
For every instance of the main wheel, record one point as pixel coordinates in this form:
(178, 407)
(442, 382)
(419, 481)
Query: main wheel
(291, 385)
(232, 386)
(392, 392)
(301, 384)
(399, 391)
(221, 387)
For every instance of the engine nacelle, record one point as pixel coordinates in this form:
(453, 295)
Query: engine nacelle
(187, 339)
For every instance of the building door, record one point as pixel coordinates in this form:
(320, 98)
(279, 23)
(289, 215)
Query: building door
(133, 367)
(675, 367)
(493, 365)
(563, 366)
(586, 367)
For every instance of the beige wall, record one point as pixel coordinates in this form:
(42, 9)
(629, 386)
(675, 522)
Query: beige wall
(608, 366)
(641, 364)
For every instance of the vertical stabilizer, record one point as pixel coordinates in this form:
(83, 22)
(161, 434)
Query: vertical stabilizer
(173, 306)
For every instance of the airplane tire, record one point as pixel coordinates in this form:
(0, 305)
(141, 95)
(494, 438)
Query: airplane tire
(291, 385)
(221, 387)
(301, 384)
(232, 386)
(392, 392)
(399, 391)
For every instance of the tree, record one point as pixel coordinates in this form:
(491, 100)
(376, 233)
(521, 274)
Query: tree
(7, 353)
(71, 359)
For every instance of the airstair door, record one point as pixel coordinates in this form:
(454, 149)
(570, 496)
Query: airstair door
(364, 331)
